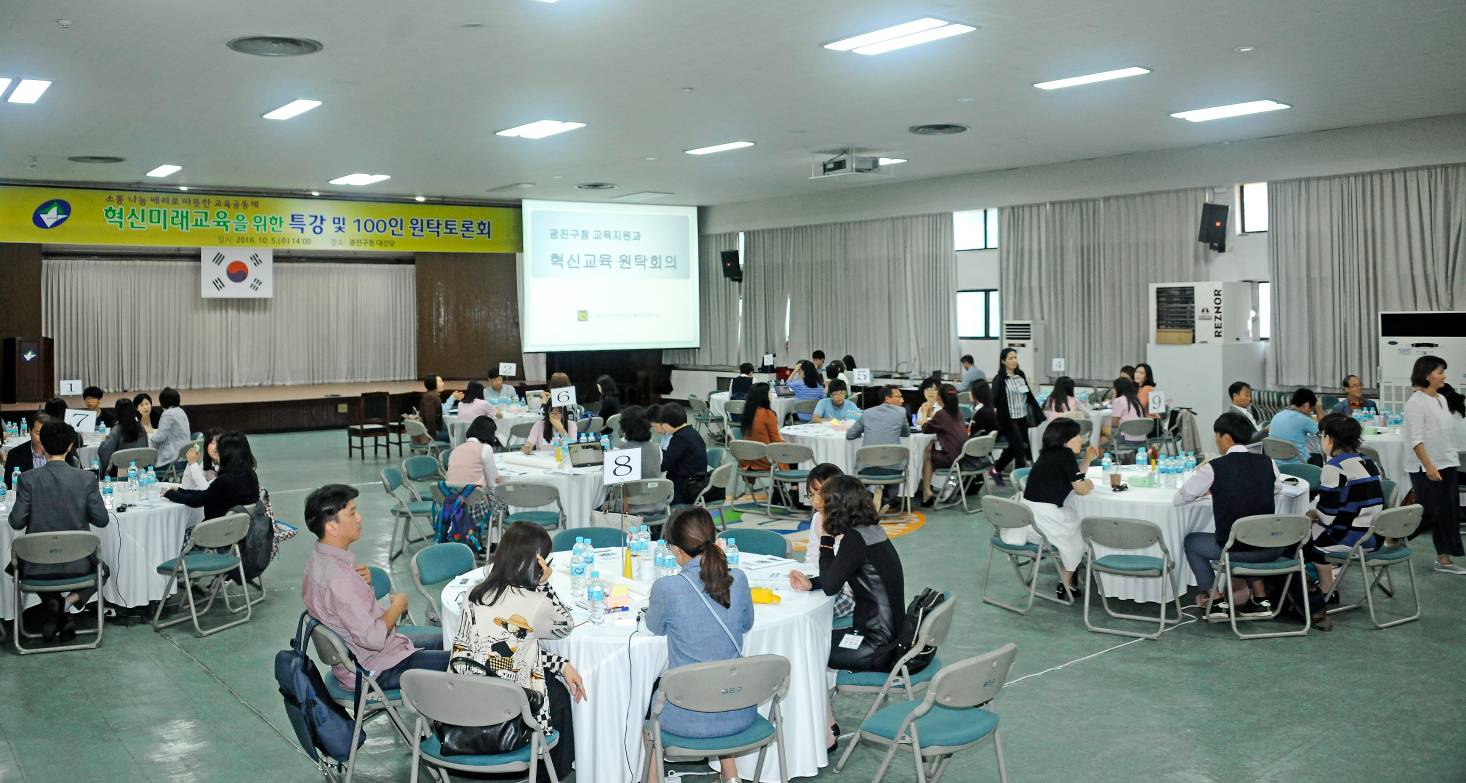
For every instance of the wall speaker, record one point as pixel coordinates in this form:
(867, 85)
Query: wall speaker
(1213, 226)
(732, 266)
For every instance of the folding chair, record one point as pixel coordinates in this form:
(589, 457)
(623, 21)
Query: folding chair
(704, 418)
(363, 705)
(896, 458)
(600, 537)
(1267, 531)
(472, 700)
(196, 561)
(1387, 487)
(424, 636)
(720, 686)
(403, 512)
(800, 408)
(614, 425)
(54, 549)
(518, 434)
(1131, 428)
(414, 430)
(1372, 454)
(121, 460)
(433, 567)
(1010, 514)
(1312, 474)
(596, 425)
(732, 415)
(931, 635)
(758, 542)
(781, 478)
(1276, 448)
(980, 449)
(1393, 523)
(949, 720)
(528, 495)
(1130, 535)
(654, 496)
(750, 451)
(716, 455)
(1020, 480)
(720, 478)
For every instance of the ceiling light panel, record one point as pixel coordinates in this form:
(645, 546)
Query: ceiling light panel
(732, 145)
(165, 170)
(915, 38)
(1103, 76)
(540, 129)
(645, 195)
(886, 34)
(360, 180)
(4, 84)
(29, 91)
(889, 161)
(293, 109)
(1230, 110)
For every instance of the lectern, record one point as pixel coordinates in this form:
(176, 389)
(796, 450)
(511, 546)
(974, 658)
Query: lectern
(29, 370)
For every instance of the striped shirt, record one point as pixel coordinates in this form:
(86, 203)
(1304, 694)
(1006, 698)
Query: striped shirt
(1017, 396)
(1350, 497)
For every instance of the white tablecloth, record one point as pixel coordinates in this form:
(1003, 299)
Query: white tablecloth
(581, 489)
(133, 544)
(619, 669)
(1098, 418)
(780, 405)
(830, 445)
(1153, 504)
(1391, 446)
(458, 428)
(88, 451)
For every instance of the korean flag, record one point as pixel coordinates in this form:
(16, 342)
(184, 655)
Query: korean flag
(237, 273)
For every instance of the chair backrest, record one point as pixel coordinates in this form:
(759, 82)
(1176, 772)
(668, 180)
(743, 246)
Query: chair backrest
(465, 699)
(525, 494)
(719, 478)
(413, 428)
(53, 548)
(614, 424)
(1119, 533)
(1313, 474)
(420, 467)
(441, 562)
(805, 406)
(720, 686)
(1136, 428)
(1277, 448)
(375, 407)
(1006, 513)
(648, 492)
(973, 681)
(596, 425)
(1387, 488)
(220, 532)
(391, 480)
(896, 456)
(936, 624)
(696, 404)
(715, 456)
(790, 453)
(564, 540)
(759, 542)
(964, 398)
(1086, 427)
(381, 581)
(748, 450)
(1020, 478)
(1372, 454)
(1270, 531)
(443, 457)
(330, 647)
(1400, 523)
(980, 446)
(734, 408)
(520, 430)
(143, 456)
(476, 497)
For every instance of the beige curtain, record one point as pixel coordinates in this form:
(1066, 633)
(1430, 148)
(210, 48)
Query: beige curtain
(133, 324)
(718, 343)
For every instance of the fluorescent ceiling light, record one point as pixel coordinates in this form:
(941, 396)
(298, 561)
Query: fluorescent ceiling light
(4, 84)
(1104, 76)
(540, 129)
(1233, 110)
(293, 109)
(886, 34)
(29, 91)
(360, 180)
(732, 145)
(165, 170)
(645, 195)
(917, 38)
(889, 161)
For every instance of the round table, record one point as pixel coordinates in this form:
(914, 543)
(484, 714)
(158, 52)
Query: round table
(1155, 504)
(458, 428)
(781, 406)
(1098, 417)
(134, 542)
(829, 444)
(84, 455)
(581, 489)
(1390, 443)
(619, 660)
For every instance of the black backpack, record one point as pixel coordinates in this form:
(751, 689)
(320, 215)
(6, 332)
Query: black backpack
(916, 613)
(256, 550)
(319, 722)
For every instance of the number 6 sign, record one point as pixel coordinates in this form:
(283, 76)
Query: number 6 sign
(563, 397)
(621, 466)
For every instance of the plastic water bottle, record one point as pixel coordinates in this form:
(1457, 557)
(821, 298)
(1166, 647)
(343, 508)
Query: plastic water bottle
(559, 451)
(151, 479)
(596, 597)
(3, 494)
(132, 485)
(1106, 463)
(605, 443)
(96, 466)
(25, 427)
(15, 478)
(107, 493)
(731, 552)
(577, 567)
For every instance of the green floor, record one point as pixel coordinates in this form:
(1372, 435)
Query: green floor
(1354, 705)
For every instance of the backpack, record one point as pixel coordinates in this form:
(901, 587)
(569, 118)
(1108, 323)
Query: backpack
(257, 547)
(454, 520)
(916, 613)
(319, 723)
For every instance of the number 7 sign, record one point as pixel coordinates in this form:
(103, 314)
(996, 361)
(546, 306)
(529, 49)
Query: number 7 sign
(621, 466)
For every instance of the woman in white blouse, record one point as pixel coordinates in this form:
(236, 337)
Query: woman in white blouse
(1431, 460)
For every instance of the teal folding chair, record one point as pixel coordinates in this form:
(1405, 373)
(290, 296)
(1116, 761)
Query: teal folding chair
(782, 478)
(368, 700)
(1396, 524)
(473, 700)
(931, 635)
(404, 511)
(421, 473)
(424, 636)
(745, 451)
(758, 542)
(433, 567)
(1009, 514)
(1131, 537)
(1288, 532)
(201, 558)
(720, 479)
(600, 537)
(54, 549)
(1312, 474)
(720, 686)
(532, 498)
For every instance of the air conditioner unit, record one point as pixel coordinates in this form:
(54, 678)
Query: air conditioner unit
(1405, 336)
(1023, 336)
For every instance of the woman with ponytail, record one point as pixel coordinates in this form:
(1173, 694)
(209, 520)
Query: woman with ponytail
(704, 611)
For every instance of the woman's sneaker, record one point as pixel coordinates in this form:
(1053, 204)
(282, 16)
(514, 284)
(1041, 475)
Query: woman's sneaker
(1449, 568)
(1262, 608)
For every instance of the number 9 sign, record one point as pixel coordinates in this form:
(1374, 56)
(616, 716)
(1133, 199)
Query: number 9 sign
(563, 397)
(621, 466)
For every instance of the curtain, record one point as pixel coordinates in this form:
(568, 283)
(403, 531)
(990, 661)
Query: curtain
(1082, 271)
(718, 314)
(1344, 248)
(129, 324)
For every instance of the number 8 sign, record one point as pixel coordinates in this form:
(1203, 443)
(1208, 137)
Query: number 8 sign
(621, 466)
(563, 397)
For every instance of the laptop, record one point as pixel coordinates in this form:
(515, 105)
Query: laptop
(783, 391)
(583, 455)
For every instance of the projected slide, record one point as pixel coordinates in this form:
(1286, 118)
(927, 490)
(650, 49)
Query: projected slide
(607, 276)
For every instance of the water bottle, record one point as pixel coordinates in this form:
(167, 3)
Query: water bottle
(3, 493)
(151, 480)
(1105, 464)
(132, 485)
(731, 552)
(577, 567)
(107, 493)
(15, 478)
(25, 427)
(596, 597)
(559, 451)
(96, 466)
(605, 443)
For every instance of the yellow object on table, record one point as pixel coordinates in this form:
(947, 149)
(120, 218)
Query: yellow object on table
(765, 595)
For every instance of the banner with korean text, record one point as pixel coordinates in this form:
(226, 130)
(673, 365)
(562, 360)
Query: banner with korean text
(237, 273)
(76, 216)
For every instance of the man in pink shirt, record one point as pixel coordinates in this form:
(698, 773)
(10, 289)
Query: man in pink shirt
(339, 594)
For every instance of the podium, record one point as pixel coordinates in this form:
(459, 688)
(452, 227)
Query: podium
(29, 370)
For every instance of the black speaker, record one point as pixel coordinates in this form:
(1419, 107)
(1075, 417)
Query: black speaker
(732, 268)
(1213, 226)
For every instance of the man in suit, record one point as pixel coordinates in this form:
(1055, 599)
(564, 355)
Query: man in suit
(32, 455)
(57, 497)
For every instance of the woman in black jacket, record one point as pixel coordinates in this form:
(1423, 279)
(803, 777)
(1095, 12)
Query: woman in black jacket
(235, 485)
(610, 402)
(1012, 402)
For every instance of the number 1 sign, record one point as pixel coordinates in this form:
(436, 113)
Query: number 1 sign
(621, 466)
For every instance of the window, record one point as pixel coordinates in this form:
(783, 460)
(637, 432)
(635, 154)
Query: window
(1254, 207)
(1264, 310)
(978, 314)
(975, 229)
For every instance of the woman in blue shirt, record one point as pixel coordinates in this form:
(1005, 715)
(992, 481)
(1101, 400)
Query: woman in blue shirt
(806, 384)
(837, 406)
(704, 611)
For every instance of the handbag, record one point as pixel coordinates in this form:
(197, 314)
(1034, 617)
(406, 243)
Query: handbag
(503, 737)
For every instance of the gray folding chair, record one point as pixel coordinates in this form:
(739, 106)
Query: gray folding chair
(1372, 453)
(930, 635)
(891, 458)
(959, 480)
(144, 457)
(964, 398)
(54, 549)
(720, 478)
(1131, 428)
(532, 496)
(199, 559)
(805, 407)
(781, 478)
(368, 700)
(518, 434)
(475, 499)
(614, 425)
(732, 414)
(1267, 531)
(720, 686)
(472, 700)
(750, 451)
(414, 430)
(704, 418)
(1397, 524)
(1010, 514)
(596, 425)
(650, 499)
(1086, 429)
(961, 690)
(1276, 448)
(1132, 536)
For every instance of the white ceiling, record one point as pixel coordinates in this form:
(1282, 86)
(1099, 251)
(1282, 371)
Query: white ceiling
(409, 91)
